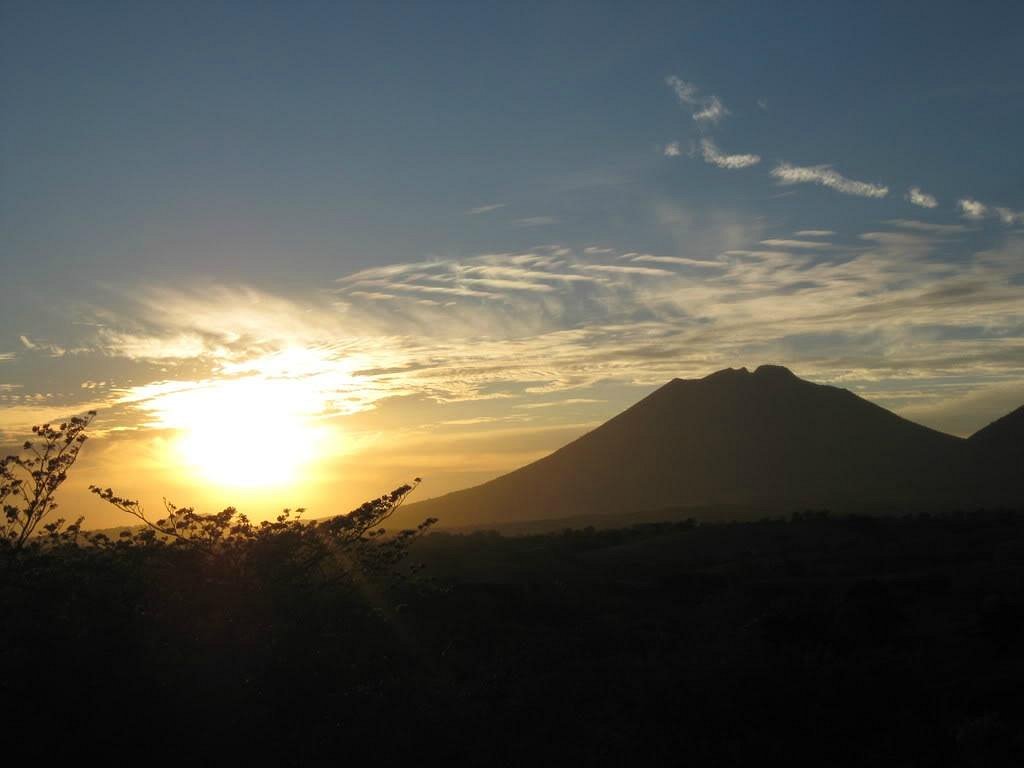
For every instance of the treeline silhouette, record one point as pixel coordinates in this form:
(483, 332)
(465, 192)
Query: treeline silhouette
(844, 640)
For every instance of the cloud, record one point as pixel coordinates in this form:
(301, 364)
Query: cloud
(814, 233)
(685, 92)
(713, 156)
(976, 211)
(219, 323)
(485, 209)
(762, 103)
(536, 221)
(972, 209)
(491, 270)
(681, 260)
(566, 401)
(762, 255)
(908, 243)
(557, 320)
(53, 350)
(443, 290)
(374, 295)
(38, 409)
(827, 177)
(921, 199)
(672, 149)
(922, 226)
(712, 112)
(507, 285)
(475, 420)
(1009, 217)
(798, 244)
(387, 272)
(173, 346)
(622, 270)
(710, 108)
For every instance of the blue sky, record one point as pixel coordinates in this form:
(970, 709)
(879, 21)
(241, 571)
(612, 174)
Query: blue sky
(253, 136)
(493, 208)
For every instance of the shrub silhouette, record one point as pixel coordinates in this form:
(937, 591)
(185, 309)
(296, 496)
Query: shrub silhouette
(345, 548)
(29, 482)
(342, 549)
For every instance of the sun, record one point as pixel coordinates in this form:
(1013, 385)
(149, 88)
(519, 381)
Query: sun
(246, 433)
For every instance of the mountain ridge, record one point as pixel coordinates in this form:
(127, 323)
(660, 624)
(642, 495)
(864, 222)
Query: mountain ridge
(765, 438)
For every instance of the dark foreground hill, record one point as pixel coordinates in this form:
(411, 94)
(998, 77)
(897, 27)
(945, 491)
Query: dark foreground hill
(743, 443)
(857, 641)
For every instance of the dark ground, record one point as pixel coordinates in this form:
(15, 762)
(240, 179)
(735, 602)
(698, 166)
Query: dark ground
(855, 641)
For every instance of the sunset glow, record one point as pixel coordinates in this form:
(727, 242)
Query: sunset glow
(287, 269)
(245, 433)
(515, 384)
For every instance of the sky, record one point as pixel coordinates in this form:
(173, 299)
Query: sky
(298, 253)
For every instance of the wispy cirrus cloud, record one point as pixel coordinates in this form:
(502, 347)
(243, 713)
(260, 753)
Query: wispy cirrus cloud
(826, 176)
(619, 269)
(921, 199)
(53, 350)
(686, 92)
(536, 221)
(797, 244)
(680, 260)
(555, 319)
(485, 209)
(712, 112)
(710, 109)
(174, 346)
(559, 403)
(924, 226)
(714, 156)
(569, 318)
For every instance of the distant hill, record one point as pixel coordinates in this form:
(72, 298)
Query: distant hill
(760, 441)
(1005, 435)
(997, 456)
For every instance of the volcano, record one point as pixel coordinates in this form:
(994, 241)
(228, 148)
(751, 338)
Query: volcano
(753, 441)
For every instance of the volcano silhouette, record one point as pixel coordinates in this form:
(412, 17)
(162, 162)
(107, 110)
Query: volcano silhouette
(759, 441)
